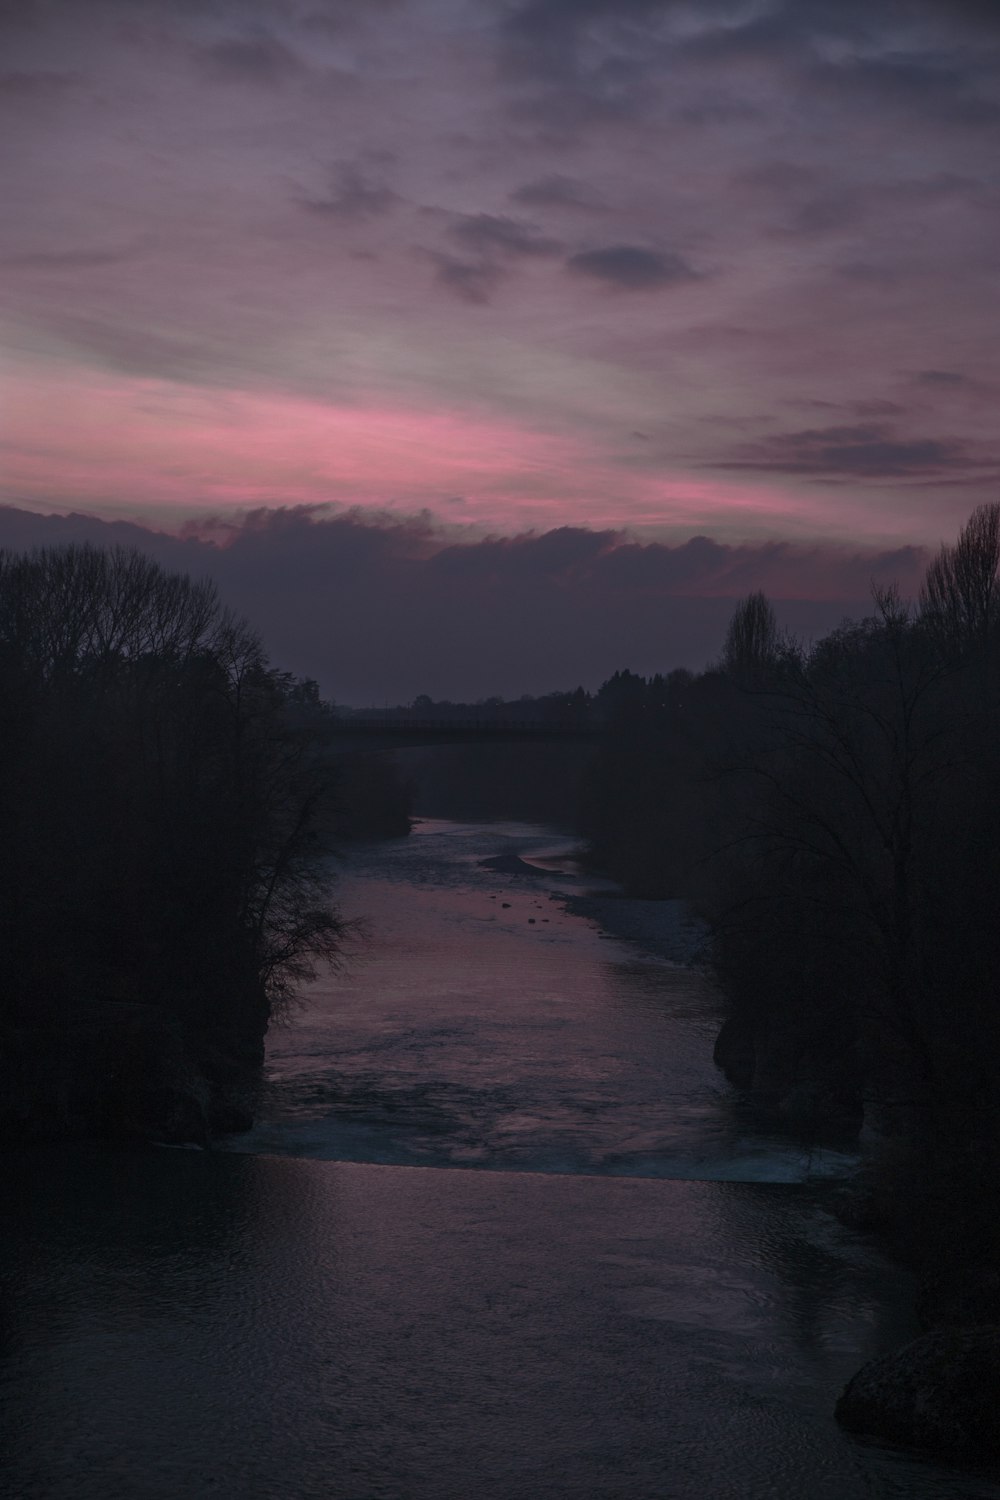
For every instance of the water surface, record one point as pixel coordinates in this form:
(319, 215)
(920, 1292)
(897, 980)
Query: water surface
(494, 1022)
(626, 1292)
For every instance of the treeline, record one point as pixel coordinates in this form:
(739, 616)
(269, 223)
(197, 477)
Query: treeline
(833, 812)
(571, 708)
(559, 708)
(167, 803)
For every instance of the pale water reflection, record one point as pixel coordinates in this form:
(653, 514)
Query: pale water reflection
(493, 1023)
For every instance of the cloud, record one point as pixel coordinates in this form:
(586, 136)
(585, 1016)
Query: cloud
(470, 280)
(576, 62)
(490, 234)
(493, 243)
(377, 607)
(353, 195)
(868, 450)
(942, 377)
(255, 59)
(828, 213)
(953, 87)
(632, 268)
(555, 191)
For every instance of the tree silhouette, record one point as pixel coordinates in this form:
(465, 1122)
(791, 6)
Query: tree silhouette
(162, 869)
(752, 640)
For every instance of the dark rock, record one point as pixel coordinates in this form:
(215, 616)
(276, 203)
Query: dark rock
(787, 1082)
(941, 1393)
(735, 1051)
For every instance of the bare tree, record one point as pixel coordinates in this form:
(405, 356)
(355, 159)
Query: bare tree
(959, 599)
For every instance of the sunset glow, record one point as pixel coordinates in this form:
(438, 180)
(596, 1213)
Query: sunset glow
(665, 270)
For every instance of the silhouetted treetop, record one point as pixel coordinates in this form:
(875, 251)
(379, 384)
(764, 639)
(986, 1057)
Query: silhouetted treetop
(753, 641)
(959, 599)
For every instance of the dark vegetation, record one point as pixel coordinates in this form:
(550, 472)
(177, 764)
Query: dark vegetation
(833, 813)
(167, 804)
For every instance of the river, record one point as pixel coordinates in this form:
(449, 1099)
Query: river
(501, 1231)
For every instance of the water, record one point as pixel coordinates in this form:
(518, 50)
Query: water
(491, 1024)
(330, 1309)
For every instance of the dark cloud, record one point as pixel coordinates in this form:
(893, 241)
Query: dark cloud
(632, 268)
(865, 451)
(555, 191)
(942, 377)
(567, 553)
(493, 243)
(255, 59)
(875, 407)
(469, 280)
(952, 87)
(829, 213)
(382, 608)
(576, 62)
(490, 234)
(545, 17)
(353, 195)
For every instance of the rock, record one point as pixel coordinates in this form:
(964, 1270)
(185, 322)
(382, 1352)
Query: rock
(941, 1392)
(784, 1080)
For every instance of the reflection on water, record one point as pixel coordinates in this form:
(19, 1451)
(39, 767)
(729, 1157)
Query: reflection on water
(194, 1325)
(183, 1325)
(491, 1024)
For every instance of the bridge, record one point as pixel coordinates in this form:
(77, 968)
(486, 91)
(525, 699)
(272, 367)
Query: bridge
(374, 732)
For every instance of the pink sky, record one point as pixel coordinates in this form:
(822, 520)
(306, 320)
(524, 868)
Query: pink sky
(675, 268)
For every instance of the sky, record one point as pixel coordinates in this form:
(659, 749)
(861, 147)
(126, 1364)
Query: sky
(572, 291)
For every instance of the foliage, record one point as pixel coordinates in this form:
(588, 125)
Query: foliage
(160, 807)
(834, 816)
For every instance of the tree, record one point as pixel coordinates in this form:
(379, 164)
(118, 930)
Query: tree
(160, 816)
(959, 598)
(752, 642)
